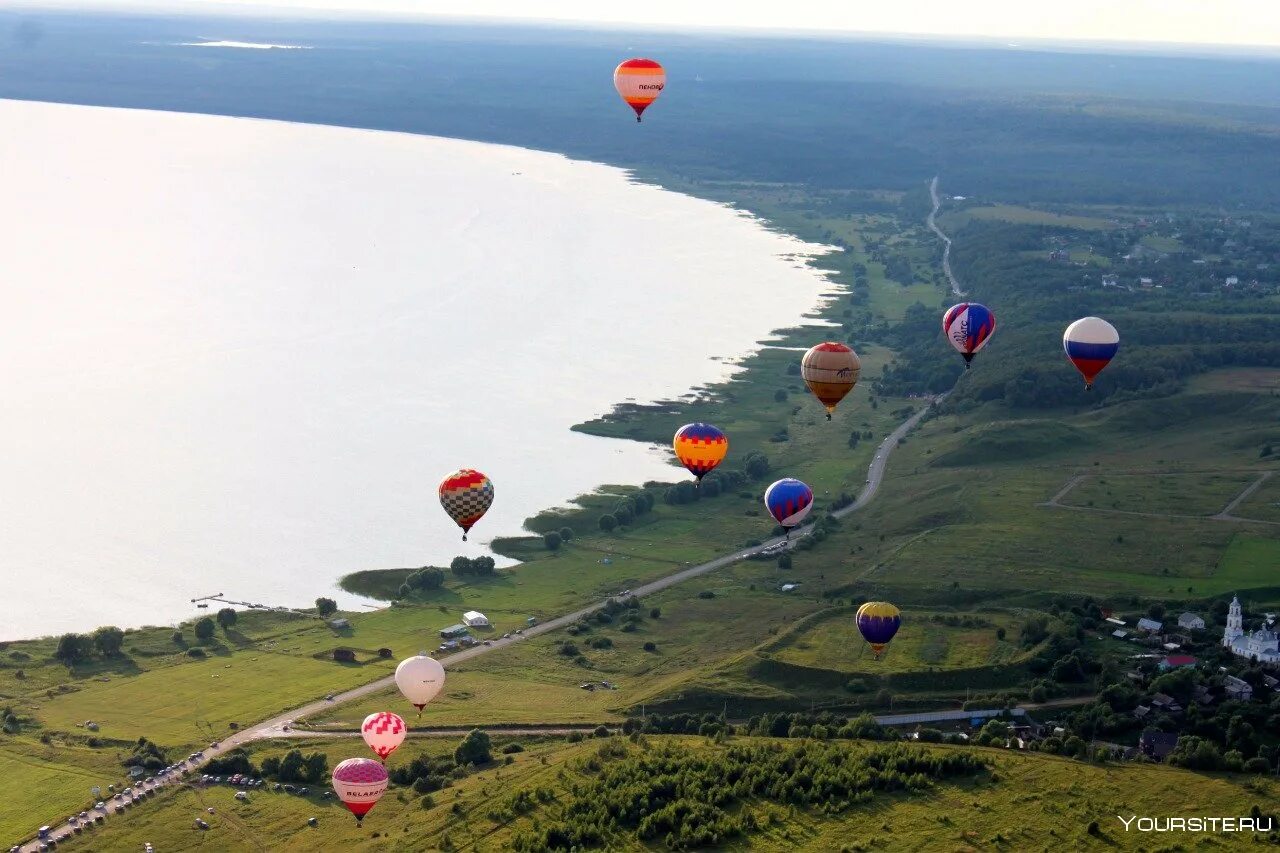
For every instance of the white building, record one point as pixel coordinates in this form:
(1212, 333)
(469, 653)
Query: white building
(475, 619)
(1190, 621)
(1263, 644)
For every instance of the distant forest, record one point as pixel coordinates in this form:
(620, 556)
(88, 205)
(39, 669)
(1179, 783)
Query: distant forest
(1005, 124)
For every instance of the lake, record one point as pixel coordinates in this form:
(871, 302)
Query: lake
(238, 355)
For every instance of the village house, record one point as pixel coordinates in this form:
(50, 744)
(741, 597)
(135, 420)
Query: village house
(1145, 624)
(1167, 704)
(1237, 689)
(1191, 622)
(1177, 661)
(1157, 745)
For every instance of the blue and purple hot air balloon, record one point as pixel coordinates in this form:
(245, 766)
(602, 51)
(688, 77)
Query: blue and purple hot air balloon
(1090, 343)
(788, 501)
(968, 327)
(878, 622)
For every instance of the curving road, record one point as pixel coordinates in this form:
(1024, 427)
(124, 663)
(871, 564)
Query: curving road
(946, 250)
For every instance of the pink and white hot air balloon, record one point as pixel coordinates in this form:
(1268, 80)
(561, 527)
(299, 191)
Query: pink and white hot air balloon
(384, 732)
(360, 783)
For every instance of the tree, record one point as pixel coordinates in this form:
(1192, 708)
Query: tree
(552, 540)
(108, 640)
(427, 577)
(226, 618)
(461, 566)
(784, 562)
(756, 464)
(204, 629)
(608, 522)
(1000, 633)
(566, 533)
(623, 514)
(177, 638)
(73, 648)
(326, 606)
(474, 749)
(483, 566)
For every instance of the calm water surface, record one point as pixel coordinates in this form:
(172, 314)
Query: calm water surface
(237, 355)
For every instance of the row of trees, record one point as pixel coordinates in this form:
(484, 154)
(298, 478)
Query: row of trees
(687, 799)
(107, 642)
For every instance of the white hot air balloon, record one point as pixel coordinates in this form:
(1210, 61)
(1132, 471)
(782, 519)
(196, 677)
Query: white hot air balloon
(420, 678)
(384, 732)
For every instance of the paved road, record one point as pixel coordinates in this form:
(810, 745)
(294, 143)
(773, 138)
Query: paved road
(275, 727)
(946, 251)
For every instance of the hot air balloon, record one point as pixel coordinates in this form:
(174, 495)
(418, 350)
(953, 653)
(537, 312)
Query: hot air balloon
(359, 783)
(1091, 343)
(420, 678)
(788, 501)
(384, 732)
(639, 82)
(878, 621)
(700, 448)
(968, 327)
(830, 370)
(466, 495)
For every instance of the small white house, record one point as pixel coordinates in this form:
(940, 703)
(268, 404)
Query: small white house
(1191, 621)
(475, 619)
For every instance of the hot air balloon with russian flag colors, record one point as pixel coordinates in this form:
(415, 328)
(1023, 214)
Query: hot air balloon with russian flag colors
(878, 622)
(968, 327)
(1090, 343)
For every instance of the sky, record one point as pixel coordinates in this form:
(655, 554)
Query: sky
(1224, 22)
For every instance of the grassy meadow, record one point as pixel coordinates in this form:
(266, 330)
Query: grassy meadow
(1026, 801)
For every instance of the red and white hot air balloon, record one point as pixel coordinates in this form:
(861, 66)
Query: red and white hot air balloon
(360, 783)
(384, 732)
(639, 82)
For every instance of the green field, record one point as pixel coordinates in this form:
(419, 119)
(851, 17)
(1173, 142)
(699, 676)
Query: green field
(61, 775)
(1200, 494)
(1028, 801)
(831, 641)
(1023, 216)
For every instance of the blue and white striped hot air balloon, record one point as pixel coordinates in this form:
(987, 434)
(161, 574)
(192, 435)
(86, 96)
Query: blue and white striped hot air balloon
(1090, 343)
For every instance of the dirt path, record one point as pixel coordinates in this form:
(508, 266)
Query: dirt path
(1055, 502)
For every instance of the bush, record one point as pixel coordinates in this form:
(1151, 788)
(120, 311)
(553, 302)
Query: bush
(108, 640)
(73, 648)
(205, 629)
(655, 612)
(650, 646)
(474, 749)
(326, 606)
(569, 650)
(706, 593)
(608, 522)
(566, 533)
(196, 652)
(226, 617)
(601, 731)
(512, 748)
(602, 643)
(177, 638)
(552, 540)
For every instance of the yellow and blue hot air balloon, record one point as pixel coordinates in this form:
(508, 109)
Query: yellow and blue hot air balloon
(878, 622)
(700, 448)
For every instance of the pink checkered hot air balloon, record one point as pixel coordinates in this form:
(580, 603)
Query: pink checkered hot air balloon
(360, 783)
(384, 732)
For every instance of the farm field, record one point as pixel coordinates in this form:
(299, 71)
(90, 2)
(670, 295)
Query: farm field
(1022, 216)
(925, 642)
(62, 774)
(1026, 801)
(1201, 494)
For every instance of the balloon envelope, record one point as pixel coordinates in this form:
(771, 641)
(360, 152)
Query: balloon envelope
(420, 678)
(788, 501)
(639, 82)
(1090, 344)
(360, 783)
(466, 495)
(700, 448)
(968, 327)
(384, 732)
(878, 622)
(830, 370)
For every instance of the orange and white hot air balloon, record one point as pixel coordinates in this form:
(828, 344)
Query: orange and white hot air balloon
(639, 82)
(830, 369)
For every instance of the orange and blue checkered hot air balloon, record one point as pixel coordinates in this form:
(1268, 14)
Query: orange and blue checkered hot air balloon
(466, 495)
(639, 82)
(878, 622)
(700, 448)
